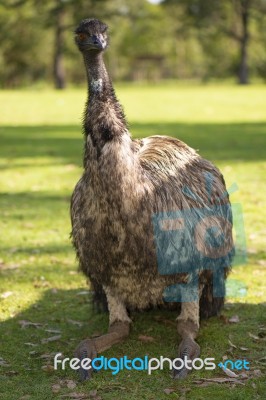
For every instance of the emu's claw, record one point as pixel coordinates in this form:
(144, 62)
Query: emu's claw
(86, 349)
(190, 349)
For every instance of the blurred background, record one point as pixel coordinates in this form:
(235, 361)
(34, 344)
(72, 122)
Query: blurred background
(191, 69)
(150, 40)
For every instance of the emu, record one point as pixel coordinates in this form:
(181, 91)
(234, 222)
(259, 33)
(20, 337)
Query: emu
(125, 184)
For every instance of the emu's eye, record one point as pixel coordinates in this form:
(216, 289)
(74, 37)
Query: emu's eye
(81, 36)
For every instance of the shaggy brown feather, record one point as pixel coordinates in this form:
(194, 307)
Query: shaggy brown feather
(124, 184)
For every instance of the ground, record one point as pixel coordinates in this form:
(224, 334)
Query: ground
(41, 158)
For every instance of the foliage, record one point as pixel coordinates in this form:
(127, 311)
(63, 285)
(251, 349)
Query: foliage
(181, 39)
(223, 26)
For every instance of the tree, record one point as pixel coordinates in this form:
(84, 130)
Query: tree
(35, 20)
(232, 18)
(61, 15)
(58, 64)
(21, 62)
(181, 39)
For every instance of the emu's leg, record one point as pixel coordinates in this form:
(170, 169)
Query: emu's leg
(118, 329)
(187, 327)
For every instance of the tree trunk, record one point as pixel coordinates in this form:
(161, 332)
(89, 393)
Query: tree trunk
(243, 67)
(59, 70)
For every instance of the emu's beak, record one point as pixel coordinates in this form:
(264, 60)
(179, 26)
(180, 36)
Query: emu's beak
(99, 42)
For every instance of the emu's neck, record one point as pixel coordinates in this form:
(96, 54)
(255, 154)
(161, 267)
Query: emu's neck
(108, 158)
(99, 83)
(104, 119)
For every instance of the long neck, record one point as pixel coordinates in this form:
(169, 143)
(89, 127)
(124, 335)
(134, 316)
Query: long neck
(104, 119)
(99, 83)
(109, 157)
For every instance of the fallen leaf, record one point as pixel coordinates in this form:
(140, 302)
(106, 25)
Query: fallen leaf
(11, 373)
(231, 344)
(52, 330)
(253, 336)
(56, 388)
(168, 391)
(262, 360)
(230, 373)
(147, 339)
(71, 385)
(51, 339)
(30, 344)
(24, 324)
(234, 319)
(4, 363)
(33, 353)
(184, 390)
(220, 380)
(47, 356)
(77, 323)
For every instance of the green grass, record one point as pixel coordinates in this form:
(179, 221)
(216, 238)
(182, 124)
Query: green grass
(41, 158)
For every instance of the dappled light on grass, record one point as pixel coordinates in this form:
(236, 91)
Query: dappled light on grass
(41, 161)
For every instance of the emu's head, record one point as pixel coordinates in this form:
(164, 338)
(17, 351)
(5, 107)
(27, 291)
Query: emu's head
(91, 36)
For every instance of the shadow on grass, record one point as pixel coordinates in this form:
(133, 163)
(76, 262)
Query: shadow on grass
(34, 201)
(40, 250)
(29, 209)
(69, 314)
(231, 141)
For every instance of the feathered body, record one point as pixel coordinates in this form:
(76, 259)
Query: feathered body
(124, 184)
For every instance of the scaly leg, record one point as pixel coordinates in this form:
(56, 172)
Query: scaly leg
(119, 323)
(187, 327)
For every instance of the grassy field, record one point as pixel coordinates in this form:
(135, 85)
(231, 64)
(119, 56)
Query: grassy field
(41, 157)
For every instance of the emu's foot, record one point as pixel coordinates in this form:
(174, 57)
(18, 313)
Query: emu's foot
(188, 350)
(86, 349)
